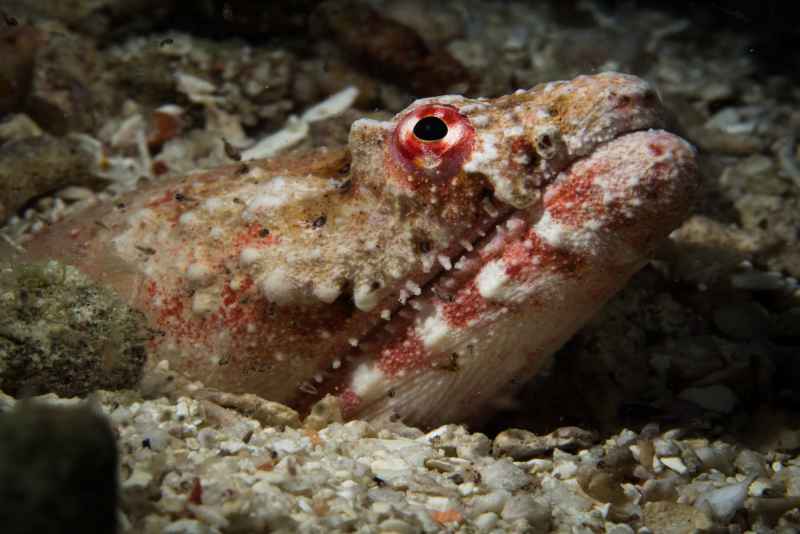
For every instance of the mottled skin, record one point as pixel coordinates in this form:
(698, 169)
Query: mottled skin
(412, 277)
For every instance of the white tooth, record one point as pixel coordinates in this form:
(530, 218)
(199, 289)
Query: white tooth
(413, 287)
(307, 387)
(467, 245)
(403, 296)
(353, 342)
(386, 315)
(489, 208)
(514, 224)
(336, 363)
(445, 262)
(427, 262)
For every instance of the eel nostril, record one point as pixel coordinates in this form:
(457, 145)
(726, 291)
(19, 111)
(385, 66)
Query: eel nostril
(547, 141)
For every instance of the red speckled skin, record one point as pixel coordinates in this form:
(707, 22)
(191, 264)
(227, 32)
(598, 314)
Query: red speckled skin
(414, 279)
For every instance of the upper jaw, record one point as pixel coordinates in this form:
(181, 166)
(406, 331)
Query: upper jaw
(523, 141)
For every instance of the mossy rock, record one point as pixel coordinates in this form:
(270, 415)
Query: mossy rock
(61, 333)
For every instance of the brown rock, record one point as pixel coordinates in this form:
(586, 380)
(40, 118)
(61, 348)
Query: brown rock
(667, 517)
(18, 45)
(524, 445)
(390, 50)
(38, 165)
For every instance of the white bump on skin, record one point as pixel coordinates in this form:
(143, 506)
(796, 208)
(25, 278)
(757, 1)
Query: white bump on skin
(204, 303)
(213, 204)
(236, 283)
(188, 219)
(248, 256)
(475, 106)
(484, 157)
(199, 273)
(277, 287)
(370, 124)
(145, 216)
(552, 232)
(327, 293)
(365, 298)
(444, 99)
(434, 330)
(278, 192)
(367, 381)
(256, 173)
(555, 234)
(491, 280)
(522, 159)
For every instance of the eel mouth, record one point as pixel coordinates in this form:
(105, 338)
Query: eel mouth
(446, 286)
(451, 271)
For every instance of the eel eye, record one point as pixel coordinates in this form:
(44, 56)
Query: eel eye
(433, 139)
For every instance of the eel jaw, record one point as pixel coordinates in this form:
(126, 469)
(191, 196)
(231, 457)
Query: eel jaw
(525, 289)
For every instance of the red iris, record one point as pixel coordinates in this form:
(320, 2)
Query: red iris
(433, 140)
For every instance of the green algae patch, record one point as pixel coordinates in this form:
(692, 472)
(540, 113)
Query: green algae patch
(61, 333)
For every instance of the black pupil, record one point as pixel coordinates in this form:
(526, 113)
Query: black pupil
(430, 129)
